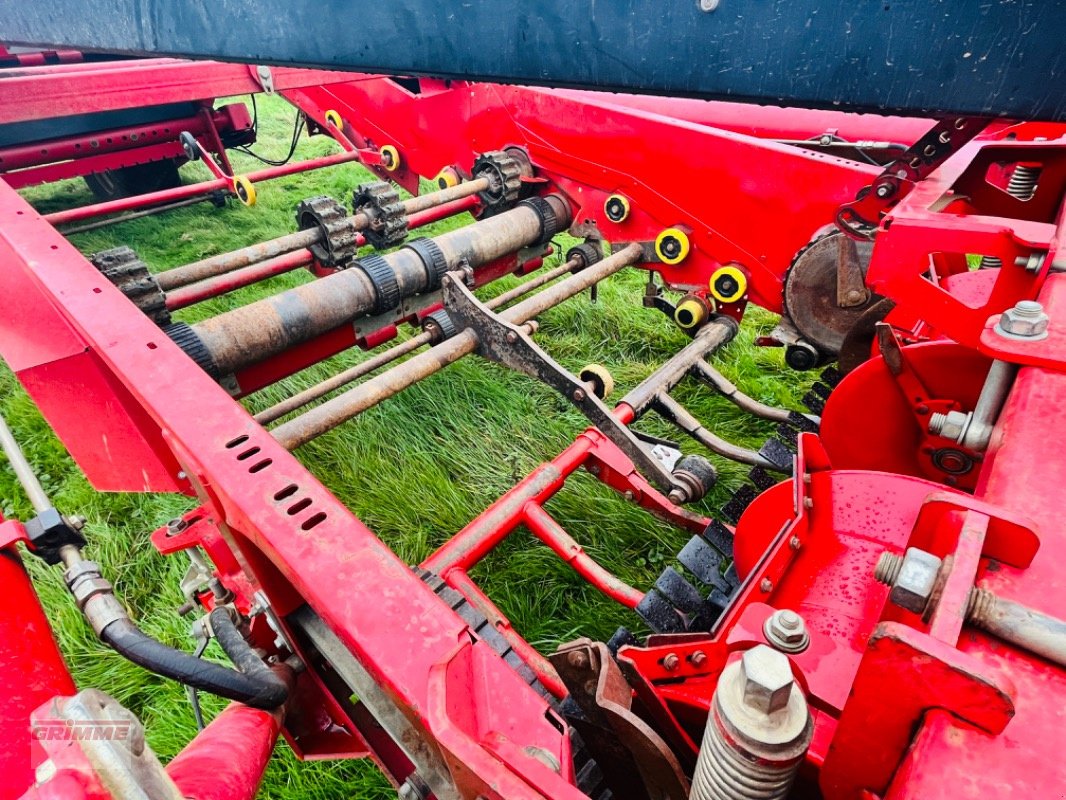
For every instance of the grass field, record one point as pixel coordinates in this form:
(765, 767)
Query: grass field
(415, 469)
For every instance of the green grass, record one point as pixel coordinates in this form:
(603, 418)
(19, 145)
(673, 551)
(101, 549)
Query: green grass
(415, 469)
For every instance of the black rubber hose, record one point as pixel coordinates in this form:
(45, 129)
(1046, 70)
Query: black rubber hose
(258, 689)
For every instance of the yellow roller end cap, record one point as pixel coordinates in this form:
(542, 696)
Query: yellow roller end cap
(390, 158)
(244, 189)
(728, 284)
(672, 246)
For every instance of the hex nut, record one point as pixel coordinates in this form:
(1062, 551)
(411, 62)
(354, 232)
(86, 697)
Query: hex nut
(1026, 320)
(917, 577)
(951, 425)
(767, 679)
(786, 631)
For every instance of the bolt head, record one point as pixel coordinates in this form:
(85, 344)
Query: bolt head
(698, 659)
(767, 679)
(1026, 320)
(917, 577)
(786, 631)
(671, 662)
(708, 5)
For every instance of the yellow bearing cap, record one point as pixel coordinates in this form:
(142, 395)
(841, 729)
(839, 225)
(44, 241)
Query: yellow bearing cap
(690, 313)
(446, 178)
(334, 118)
(728, 284)
(672, 246)
(244, 189)
(390, 158)
(616, 207)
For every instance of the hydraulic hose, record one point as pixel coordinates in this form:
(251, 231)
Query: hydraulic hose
(254, 685)
(259, 689)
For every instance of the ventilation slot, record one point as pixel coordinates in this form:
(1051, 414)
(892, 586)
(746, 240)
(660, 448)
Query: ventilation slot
(313, 520)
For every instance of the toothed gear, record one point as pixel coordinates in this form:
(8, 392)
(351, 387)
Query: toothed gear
(124, 269)
(339, 236)
(439, 326)
(505, 179)
(380, 202)
(585, 254)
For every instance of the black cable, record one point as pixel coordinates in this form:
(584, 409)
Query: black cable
(260, 688)
(297, 129)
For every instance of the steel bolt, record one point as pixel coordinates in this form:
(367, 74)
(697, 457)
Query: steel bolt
(767, 679)
(176, 525)
(766, 585)
(697, 659)
(671, 662)
(708, 5)
(629, 496)
(511, 337)
(786, 631)
(579, 395)
(795, 543)
(1026, 320)
(77, 522)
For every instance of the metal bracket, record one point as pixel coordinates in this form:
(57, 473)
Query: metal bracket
(509, 345)
(264, 76)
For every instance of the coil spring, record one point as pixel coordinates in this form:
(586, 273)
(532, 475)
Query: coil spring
(1022, 183)
(724, 771)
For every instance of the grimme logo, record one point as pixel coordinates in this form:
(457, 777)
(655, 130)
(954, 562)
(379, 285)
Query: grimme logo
(81, 730)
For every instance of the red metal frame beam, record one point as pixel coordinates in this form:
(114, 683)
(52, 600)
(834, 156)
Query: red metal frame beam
(37, 92)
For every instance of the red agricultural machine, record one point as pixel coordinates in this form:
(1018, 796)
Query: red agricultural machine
(879, 614)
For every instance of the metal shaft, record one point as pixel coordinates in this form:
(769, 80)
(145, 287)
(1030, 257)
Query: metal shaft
(23, 471)
(344, 407)
(334, 382)
(709, 338)
(236, 259)
(260, 330)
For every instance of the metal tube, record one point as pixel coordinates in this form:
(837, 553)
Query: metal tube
(334, 382)
(683, 419)
(371, 364)
(344, 407)
(145, 212)
(258, 331)
(231, 281)
(989, 403)
(238, 259)
(23, 471)
(194, 189)
(494, 524)
(228, 758)
(717, 381)
(708, 339)
(547, 530)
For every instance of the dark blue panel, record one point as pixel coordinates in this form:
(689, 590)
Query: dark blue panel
(931, 57)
